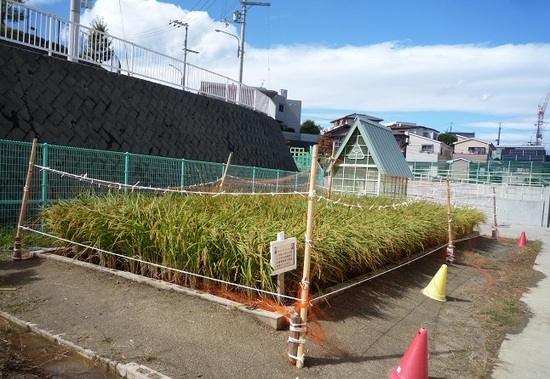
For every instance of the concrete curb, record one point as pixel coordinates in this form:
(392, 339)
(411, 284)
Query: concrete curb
(130, 370)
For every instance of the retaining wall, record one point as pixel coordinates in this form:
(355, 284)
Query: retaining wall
(72, 104)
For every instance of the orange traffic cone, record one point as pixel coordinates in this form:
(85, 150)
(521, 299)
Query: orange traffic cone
(414, 364)
(522, 240)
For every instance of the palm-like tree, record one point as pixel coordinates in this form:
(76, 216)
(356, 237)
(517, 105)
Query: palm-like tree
(99, 46)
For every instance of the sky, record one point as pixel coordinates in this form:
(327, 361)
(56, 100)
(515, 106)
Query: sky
(460, 66)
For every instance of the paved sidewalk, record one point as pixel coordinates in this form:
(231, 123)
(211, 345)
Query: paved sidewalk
(525, 355)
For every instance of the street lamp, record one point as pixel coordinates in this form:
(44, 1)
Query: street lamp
(181, 73)
(234, 36)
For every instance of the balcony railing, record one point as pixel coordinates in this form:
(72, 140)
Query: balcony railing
(33, 28)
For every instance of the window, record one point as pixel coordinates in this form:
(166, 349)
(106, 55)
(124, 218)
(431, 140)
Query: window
(281, 107)
(427, 149)
(477, 150)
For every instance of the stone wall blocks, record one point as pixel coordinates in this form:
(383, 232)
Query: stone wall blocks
(39, 116)
(106, 110)
(61, 100)
(88, 105)
(17, 134)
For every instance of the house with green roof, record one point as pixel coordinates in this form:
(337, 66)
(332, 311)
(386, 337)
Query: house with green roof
(369, 162)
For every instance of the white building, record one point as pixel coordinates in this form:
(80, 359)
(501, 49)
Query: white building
(425, 149)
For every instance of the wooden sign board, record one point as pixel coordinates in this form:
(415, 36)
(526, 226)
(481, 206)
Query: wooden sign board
(283, 255)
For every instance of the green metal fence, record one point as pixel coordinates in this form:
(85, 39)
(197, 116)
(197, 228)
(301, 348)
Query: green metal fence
(160, 172)
(123, 168)
(517, 173)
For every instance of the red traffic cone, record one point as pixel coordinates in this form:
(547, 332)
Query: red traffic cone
(522, 240)
(414, 364)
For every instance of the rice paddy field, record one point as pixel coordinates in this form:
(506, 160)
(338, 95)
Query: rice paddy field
(228, 237)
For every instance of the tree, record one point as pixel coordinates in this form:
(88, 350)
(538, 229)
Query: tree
(325, 144)
(99, 46)
(10, 13)
(309, 127)
(448, 139)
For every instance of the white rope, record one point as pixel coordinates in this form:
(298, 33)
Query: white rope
(133, 187)
(317, 298)
(274, 182)
(301, 359)
(295, 340)
(160, 266)
(359, 206)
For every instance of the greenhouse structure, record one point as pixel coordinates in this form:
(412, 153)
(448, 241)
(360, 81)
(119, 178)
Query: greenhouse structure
(369, 162)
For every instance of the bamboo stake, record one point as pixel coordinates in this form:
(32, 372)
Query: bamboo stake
(16, 256)
(331, 168)
(450, 248)
(226, 171)
(295, 330)
(304, 298)
(494, 232)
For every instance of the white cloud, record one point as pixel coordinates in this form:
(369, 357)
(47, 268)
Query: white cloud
(387, 77)
(506, 81)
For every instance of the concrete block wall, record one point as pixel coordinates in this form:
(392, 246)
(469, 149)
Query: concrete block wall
(514, 204)
(71, 104)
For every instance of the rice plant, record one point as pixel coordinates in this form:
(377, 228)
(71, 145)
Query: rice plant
(228, 237)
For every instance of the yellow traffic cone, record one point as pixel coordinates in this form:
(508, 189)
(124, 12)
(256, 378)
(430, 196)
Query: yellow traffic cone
(436, 288)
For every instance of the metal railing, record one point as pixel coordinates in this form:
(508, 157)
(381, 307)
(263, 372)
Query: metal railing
(33, 28)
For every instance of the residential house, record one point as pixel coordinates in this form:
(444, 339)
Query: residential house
(288, 113)
(425, 149)
(462, 134)
(341, 126)
(420, 143)
(369, 162)
(468, 153)
(473, 149)
(412, 128)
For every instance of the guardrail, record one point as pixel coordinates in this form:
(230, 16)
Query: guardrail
(33, 28)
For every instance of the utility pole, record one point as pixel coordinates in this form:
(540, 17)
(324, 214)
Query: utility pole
(74, 27)
(498, 138)
(185, 49)
(73, 31)
(240, 18)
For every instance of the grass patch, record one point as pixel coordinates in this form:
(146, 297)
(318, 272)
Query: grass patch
(505, 313)
(498, 305)
(228, 237)
(107, 340)
(7, 239)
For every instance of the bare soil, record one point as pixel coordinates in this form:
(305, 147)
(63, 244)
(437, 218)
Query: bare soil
(363, 332)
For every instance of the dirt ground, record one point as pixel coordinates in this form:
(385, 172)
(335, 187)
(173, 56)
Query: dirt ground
(362, 332)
